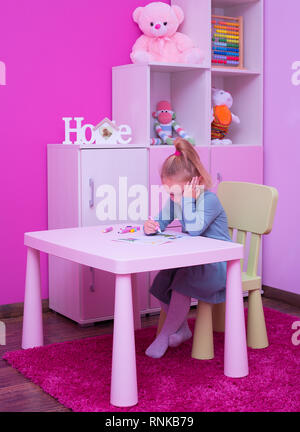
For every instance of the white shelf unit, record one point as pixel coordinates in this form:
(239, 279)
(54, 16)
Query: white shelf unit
(188, 87)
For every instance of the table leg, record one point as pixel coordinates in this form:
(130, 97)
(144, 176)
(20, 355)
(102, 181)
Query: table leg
(32, 320)
(123, 376)
(136, 302)
(235, 351)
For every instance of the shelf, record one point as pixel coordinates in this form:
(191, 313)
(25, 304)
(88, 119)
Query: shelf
(252, 13)
(246, 90)
(94, 146)
(179, 67)
(208, 146)
(230, 3)
(176, 67)
(168, 146)
(115, 146)
(236, 145)
(222, 71)
(166, 67)
(185, 86)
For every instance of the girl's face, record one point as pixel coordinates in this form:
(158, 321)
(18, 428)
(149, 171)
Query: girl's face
(174, 187)
(177, 188)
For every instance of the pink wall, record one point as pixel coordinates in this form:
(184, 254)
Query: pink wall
(58, 56)
(282, 144)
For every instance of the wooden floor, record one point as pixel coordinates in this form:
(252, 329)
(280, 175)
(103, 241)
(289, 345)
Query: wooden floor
(17, 394)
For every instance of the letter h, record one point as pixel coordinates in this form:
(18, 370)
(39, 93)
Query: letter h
(76, 130)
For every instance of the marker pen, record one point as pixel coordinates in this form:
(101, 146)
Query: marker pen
(158, 227)
(108, 229)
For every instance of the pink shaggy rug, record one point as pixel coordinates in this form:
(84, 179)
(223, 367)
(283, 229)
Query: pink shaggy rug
(77, 374)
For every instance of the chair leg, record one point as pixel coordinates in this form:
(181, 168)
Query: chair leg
(219, 317)
(162, 318)
(203, 343)
(256, 327)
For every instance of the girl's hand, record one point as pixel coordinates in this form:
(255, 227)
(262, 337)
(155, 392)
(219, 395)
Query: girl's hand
(193, 188)
(150, 227)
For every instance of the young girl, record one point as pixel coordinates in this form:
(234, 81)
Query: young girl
(201, 214)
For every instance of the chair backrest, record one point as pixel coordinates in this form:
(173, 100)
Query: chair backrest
(250, 208)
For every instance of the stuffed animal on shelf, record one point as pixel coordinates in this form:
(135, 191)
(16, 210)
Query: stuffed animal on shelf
(165, 124)
(161, 42)
(222, 117)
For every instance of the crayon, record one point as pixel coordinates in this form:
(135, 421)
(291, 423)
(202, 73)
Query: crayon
(108, 229)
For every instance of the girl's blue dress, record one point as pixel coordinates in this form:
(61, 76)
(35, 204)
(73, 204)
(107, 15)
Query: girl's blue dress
(207, 282)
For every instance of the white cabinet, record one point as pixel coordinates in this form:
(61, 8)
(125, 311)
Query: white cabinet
(110, 174)
(75, 178)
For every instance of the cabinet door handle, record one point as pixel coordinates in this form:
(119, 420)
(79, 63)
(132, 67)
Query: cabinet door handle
(92, 286)
(92, 187)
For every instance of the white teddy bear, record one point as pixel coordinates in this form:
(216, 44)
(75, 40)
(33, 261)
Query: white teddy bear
(221, 116)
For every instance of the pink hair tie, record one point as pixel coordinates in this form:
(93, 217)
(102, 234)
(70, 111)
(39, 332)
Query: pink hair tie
(177, 153)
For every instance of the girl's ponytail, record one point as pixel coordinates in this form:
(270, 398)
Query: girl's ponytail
(185, 164)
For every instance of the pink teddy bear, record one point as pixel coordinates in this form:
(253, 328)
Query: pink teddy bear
(161, 42)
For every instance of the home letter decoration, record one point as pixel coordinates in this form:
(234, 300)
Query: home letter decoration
(104, 133)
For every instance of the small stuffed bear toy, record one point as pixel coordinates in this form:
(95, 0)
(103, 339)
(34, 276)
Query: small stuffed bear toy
(222, 117)
(161, 42)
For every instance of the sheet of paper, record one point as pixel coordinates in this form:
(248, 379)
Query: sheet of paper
(155, 240)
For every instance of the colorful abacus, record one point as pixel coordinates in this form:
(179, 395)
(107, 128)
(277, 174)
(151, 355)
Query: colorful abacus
(227, 41)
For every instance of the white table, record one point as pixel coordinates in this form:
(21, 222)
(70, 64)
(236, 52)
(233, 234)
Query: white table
(90, 247)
